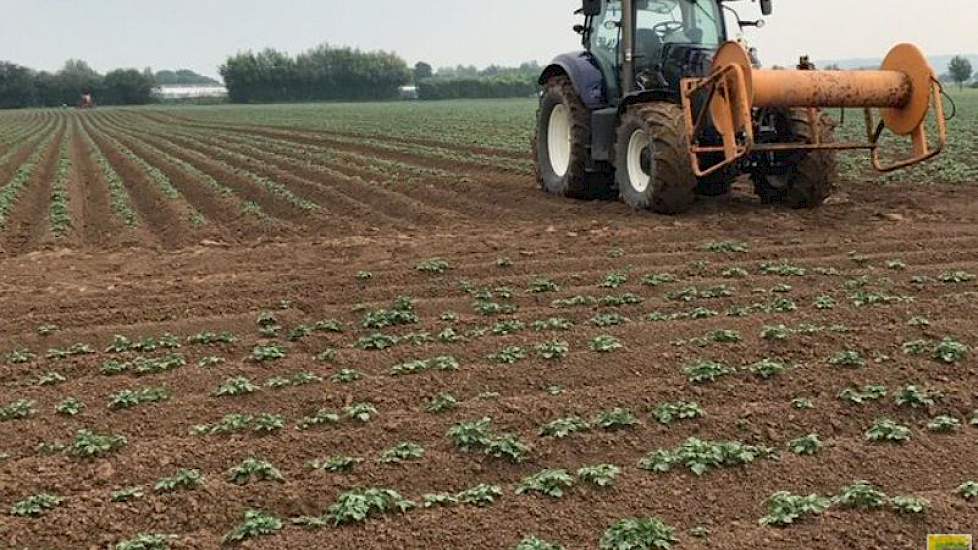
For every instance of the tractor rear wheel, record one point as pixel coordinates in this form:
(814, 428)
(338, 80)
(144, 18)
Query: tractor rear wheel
(561, 144)
(652, 165)
(810, 177)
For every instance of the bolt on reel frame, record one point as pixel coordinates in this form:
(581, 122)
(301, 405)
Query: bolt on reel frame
(905, 90)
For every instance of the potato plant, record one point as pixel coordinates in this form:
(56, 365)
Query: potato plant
(551, 483)
(478, 435)
(401, 313)
(806, 445)
(553, 350)
(534, 543)
(22, 408)
(802, 404)
(599, 475)
(767, 368)
(705, 372)
(668, 413)
(402, 452)
(253, 469)
(322, 417)
(564, 427)
(183, 480)
(147, 541)
(36, 505)
(860, 495)
(968, 490)
(440, 403)
(361, 412)
(336, 464)
(89, 444)
(885, 430)
(255, 524)
(944, 424)
(615, 419)
(542, 285)
(266, 353)
(360, 504)
(864, 395)
(915, 397)
(434, 266)
(441, 363)
(786, 509)
(126, 494)
(508, 355)
(605, 344)
(481, 495)
(638, 534)
(909, 504)
(127, 399)
(702, 456)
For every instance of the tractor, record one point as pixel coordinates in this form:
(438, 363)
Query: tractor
(661, 106)
(86, 102)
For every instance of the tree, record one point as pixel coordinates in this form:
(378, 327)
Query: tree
(128, 87)
(322, 73)
(77, 78)
(960, 70)
(422, 71)
(16, 86)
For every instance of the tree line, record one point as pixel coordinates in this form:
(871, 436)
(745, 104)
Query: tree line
(22, 87)
(322, 73)
(463, 82)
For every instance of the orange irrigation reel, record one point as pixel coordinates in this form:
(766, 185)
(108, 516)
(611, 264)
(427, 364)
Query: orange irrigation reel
(905, 90)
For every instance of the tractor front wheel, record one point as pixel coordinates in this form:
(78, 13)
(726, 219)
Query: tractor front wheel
(652, 165)
(561, 144)
(809, 176)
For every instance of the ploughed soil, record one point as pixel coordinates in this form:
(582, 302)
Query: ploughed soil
(911, 249)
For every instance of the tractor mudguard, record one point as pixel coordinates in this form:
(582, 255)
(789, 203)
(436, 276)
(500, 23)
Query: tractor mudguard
(584, 75)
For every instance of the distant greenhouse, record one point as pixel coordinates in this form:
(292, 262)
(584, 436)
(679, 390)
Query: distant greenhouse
(178, 92)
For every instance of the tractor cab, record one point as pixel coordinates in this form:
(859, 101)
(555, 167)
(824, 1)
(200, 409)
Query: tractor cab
(673, 39)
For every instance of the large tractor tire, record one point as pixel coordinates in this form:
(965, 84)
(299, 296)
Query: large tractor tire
(652, 165)
(561, 144)
(811, 176)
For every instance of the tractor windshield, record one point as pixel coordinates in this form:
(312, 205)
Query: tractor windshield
(696, 22)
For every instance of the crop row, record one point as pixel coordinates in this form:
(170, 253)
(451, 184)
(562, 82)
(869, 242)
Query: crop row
(12, 189)
(119, 196)
(60, 216)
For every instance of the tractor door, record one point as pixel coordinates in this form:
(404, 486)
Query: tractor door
(604, 43)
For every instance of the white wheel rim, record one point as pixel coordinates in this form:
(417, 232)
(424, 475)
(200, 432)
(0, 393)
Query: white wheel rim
(559, 139)
(638, 178)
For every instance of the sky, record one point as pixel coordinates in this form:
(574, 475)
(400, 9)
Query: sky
(200, 34)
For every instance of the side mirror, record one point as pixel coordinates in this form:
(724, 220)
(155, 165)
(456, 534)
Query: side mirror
(591, 8)
(766, 7)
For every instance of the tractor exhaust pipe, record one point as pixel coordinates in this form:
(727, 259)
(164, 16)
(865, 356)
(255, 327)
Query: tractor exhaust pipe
(904, 90)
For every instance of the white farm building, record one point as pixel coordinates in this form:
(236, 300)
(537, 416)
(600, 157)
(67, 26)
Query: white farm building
(189, 92)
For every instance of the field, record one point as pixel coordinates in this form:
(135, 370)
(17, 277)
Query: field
(361, 326)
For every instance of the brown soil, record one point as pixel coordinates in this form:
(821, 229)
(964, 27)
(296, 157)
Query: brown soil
(223, 277)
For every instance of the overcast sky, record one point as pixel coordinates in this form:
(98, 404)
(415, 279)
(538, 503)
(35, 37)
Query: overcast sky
(199, 34)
